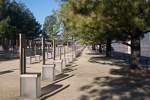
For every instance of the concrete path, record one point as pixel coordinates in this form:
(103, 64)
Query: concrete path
(91, 76)
(84, 74)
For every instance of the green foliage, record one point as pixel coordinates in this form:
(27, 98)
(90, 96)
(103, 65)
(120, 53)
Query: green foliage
(128, 16)
(51, 27)
(16, 17)
(79, 25)
(4, 28)
(100, 21)
(118, 19)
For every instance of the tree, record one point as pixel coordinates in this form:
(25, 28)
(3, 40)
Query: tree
(70, 22)
(84, 24)
(23, 20)
(4, 28)
(4, 19)
(51, 27)
(117, 19)
(15, 18)
(131, 17)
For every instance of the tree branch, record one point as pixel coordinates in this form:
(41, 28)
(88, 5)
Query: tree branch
(147, 31)
(125, 43)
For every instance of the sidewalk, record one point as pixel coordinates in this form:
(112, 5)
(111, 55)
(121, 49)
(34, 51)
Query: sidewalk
(91, 76)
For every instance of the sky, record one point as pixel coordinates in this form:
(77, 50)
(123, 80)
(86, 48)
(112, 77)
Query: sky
(40, 8)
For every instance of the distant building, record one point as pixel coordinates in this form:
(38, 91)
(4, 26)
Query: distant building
(145, 46)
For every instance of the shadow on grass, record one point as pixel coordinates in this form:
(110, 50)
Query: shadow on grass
(129, 85)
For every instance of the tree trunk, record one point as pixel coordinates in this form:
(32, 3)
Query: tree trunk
(94, 47)
(100, 48)
(108, 48)
(17, 44)
(5, 44)
(32, 43)
(14, 37)
(135, 53)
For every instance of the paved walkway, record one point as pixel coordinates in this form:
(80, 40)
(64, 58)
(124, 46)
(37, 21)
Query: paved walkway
(91, 76)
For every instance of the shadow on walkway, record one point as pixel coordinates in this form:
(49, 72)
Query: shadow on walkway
(50, 88)
(9, 71)
(130, 85)
(5, 72)
(94, 53)
(60, 76)
(122, 84)
(108, 61)
(67, 70)
(35, 62)
(55, 89)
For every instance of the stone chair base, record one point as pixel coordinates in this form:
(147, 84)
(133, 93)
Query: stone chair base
(30, 85)
(70, 57)
(58, 64)
(37, 57)
(48, 72)
(28, 60)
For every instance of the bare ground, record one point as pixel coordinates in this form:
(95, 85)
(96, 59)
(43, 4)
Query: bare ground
(91, 76)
